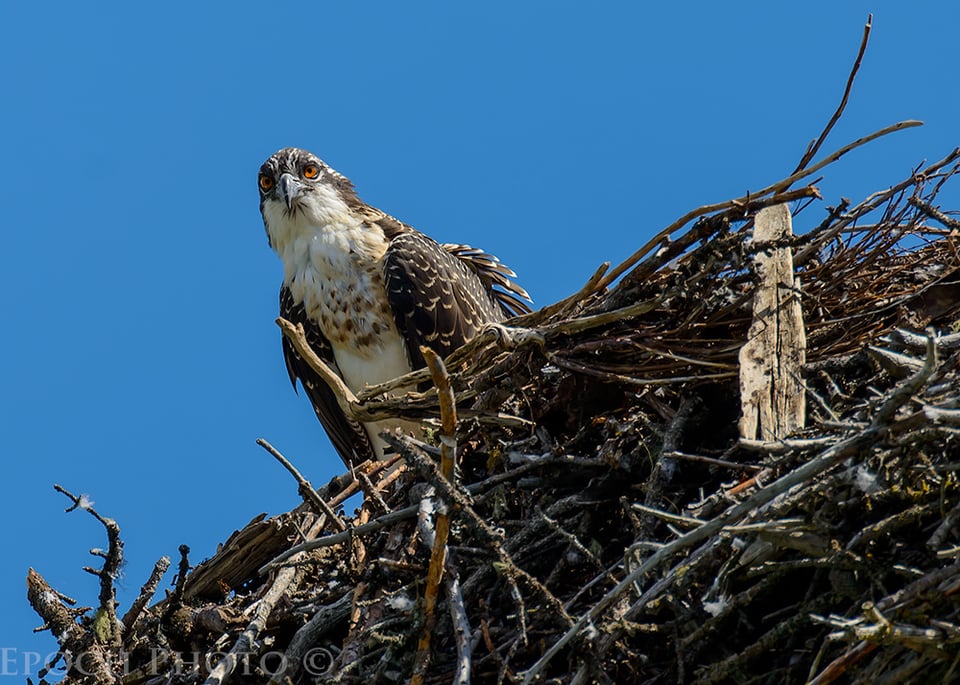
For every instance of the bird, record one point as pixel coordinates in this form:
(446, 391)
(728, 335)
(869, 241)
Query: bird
(369, 290)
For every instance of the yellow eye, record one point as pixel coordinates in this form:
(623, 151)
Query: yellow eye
(266, 183)
(311, 171)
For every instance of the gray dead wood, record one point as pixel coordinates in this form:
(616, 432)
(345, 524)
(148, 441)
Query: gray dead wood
(772, 396)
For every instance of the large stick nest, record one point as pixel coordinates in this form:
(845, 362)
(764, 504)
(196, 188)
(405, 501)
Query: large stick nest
(606, 521)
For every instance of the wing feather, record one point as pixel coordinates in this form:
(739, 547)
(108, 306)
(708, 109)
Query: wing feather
(495, 275)
(348, 436)
(441, 295)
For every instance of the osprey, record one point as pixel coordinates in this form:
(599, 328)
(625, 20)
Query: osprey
(368, 289)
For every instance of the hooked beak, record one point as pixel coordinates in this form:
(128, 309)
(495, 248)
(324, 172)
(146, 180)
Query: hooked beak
(290, 189)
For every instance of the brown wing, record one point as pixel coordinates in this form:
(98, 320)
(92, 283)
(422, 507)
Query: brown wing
(496, 278)
(439, 297)
(348, 436)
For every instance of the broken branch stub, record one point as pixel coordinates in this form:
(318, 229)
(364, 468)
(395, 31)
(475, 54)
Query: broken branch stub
(772, 396)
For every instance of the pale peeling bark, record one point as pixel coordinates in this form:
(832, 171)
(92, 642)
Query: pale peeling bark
(772, 395)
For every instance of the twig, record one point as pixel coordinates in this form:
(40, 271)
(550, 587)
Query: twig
(106, 624)
(448, 455)
(502, 336)
(455, 601)
(667, 516)
(906, 390)
(345, 397)
(90, 656)
(784, 444)
(857, 653)
(398, 515)
(815, 146)
(713, 461)
(585, 323)
(414, 453)
(946, 526)
(629, 380)
(565, 305)
(827, 459)
(146, 594)
(461, 626)
(307, 636)
(934, 213)
(820, 238)
(366, 408)
(750, 200)
(246, 643)
(182, 570)
(47, 667)
(306, 489)
(747, 202)
(372, 496)
(378, 523)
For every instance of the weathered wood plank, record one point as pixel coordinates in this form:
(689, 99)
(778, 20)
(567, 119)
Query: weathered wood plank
(772, 398)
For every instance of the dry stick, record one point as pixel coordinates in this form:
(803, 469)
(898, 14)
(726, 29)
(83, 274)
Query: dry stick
(461, 627)
(779, 186)
(818, 238)
(783, 445)
(771, 640)
(182, 570)
(245, 643)
(499, 334)
(772, 401)
(911, 339)
(477, 524)
(146, 593)
(63, 624)
(597, 282)
(834, 156)
(358, 409)
(842, 663)
(945, 528)
(713, 461)
(668, 516)
(934, 213)
(372, 496)
(106, 616)
(740, 204)
(373, 469)
(815, 146)
(341, 537)
(566, 304)
(585, 323)
(448, 456)
(399, 515)
(458, 611)
(307, 636)
(504, 337)
(306, 489)
(345, 397)
(630, 380)
(827, 459)
(49, 666)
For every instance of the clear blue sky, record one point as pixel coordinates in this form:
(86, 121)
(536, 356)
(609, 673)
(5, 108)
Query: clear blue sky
(139, 356)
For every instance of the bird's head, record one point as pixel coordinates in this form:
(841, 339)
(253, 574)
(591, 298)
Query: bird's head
(298, 188)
